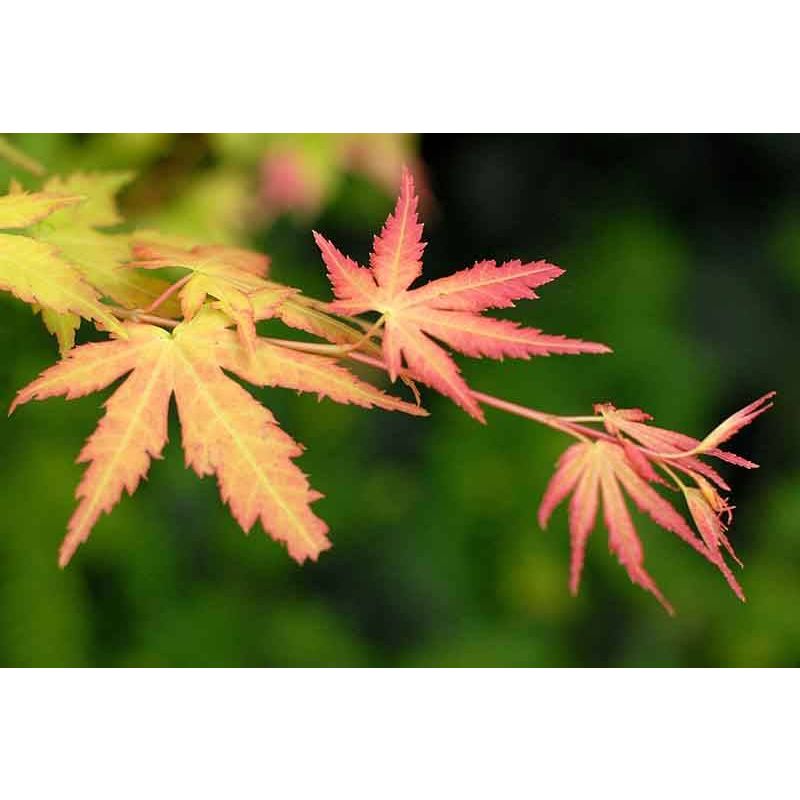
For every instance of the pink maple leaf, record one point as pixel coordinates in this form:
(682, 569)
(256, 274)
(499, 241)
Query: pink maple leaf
(447, 310)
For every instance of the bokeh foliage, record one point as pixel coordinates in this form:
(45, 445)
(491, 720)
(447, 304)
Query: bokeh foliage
(682, 253)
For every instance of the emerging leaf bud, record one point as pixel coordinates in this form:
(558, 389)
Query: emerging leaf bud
(712, 531)
(735, 423)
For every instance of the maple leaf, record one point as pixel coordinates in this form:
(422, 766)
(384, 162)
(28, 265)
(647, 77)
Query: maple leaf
(707, 508)
(20, 209)
(447, 309)
(627, 454)
(591, 471)
(228, 274)
(731, 426)
(225, 431)
(96, 254)
(678, 449)
(684, 453)
(99, 190)
(36, 273)
(61, 241)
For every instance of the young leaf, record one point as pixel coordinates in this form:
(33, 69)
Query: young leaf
(731, 426)
(674, 447)
(447, 309)
(592, 471)
(676, 451)
(708, 522)
(228, 274)
(225, 431)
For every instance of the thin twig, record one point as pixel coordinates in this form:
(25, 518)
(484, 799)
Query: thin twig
(138, 316)
(551, 420)
(306, 347)
(323, 308)
(329, 349)
(16, 157)
(167, 293)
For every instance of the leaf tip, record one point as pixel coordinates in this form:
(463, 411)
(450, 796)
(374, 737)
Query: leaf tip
(65, 554)
(542, 519)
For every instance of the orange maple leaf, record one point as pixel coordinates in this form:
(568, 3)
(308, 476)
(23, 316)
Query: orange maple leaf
(225, 431)
(447, 309)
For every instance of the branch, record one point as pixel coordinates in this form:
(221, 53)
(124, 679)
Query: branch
(139, 316)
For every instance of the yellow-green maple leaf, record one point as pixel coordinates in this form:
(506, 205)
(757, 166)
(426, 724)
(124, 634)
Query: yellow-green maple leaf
(97, 255)
(34, 272)
(225, 431)
(99, 209)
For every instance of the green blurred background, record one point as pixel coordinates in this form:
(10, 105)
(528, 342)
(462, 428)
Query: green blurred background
(682, 253)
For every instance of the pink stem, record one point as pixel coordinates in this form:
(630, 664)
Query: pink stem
(541, 417)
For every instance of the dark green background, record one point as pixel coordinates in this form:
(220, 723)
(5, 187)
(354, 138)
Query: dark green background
(682, 253)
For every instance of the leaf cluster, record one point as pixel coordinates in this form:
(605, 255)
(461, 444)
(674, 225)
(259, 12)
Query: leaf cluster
(180, 320)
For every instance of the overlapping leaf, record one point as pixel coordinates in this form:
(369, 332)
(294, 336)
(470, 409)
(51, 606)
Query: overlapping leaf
(225, 431)
(96, 254)
(447, 309)
(591, 471)
(625, 457)
(62, 261)
(35, 271)
(229, 274)
(636, 423)
(678, 449)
